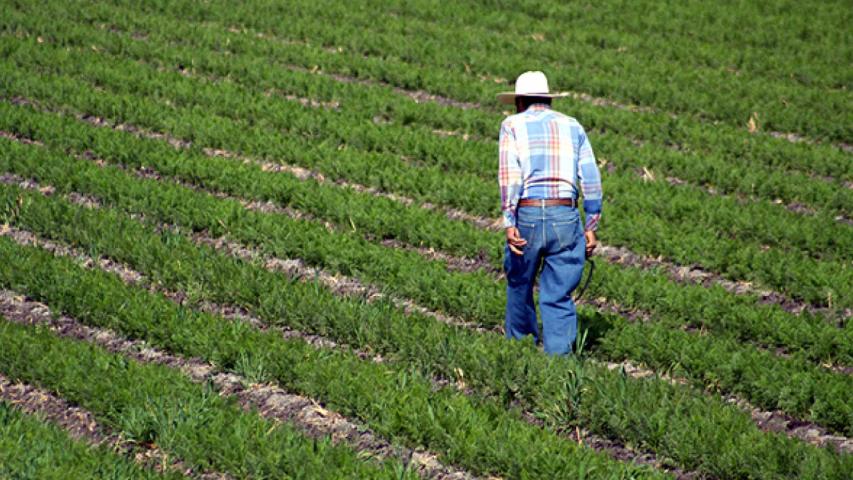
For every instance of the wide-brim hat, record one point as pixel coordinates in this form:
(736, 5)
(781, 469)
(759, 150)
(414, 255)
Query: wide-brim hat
(530, 84)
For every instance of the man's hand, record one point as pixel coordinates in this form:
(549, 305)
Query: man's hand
(591, 242)
(514, 240)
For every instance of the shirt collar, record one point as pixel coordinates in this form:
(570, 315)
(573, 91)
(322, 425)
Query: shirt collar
(538, 107)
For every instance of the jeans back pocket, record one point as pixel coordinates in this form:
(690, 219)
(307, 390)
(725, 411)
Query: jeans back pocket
(527, 231)
(566, 233)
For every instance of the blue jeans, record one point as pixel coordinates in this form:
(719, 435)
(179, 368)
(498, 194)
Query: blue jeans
(556, 244)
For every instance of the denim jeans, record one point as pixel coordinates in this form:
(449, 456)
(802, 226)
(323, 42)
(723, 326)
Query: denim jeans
(556, 245)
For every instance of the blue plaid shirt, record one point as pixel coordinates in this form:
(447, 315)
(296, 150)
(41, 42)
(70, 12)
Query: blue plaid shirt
(545, 154)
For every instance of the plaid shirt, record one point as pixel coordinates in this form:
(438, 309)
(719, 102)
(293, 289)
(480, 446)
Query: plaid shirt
(543, 154)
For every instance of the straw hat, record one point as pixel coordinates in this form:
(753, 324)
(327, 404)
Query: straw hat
(529, 84)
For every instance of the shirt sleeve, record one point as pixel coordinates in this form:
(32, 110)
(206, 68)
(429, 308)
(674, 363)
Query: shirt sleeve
(509, 174)
(590, 181)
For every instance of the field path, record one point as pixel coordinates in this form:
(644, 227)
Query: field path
(78, 422)
(770, 421)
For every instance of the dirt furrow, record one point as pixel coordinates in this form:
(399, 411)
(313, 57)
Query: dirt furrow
(339, 285)
(270, 401)
(698, 275)
(461, 264)
(311, 103)
(79, 423)
(797, 138)
(456, 263)
(352, 286)
(775, 421)
(768, 420)
(306, 174)
(618, 255)
(794, 207)
(421, 96)
(611, 254)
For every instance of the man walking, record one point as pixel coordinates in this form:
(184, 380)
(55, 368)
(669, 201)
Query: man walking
(544, 157)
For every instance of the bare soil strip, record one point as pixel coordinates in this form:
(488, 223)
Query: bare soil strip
(698, 275)
(691, 273)
(613, 255)
(306, 174)
(270, 401)
(643, 173)
(341, 286)
(794, 207)
(456, 263)
(78, 422)
(616, 255)
(421, 96)
(796, 138)
(775, 421)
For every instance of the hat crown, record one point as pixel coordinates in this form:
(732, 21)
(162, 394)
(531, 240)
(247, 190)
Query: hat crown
(531, 83)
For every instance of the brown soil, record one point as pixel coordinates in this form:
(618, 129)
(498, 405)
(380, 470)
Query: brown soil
(268, 400)
(355, 287)
(79, 423)
(767, 420)
(621, 256)
(693, 273)
(300, 271)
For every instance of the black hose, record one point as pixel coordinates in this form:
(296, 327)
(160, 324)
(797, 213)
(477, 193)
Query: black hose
(588, 278)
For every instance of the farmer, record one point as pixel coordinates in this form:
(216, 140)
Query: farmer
(544, 157)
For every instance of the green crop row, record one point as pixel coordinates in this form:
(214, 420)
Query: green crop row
(477, 295)
(248, 64)
(419, 341)
(714, 93)
(734, 141)
(723, 147)
(245, 44)
(457, 155)
(561, 403)
(398, 403)
(781, 268)
(727, 163)
(32, 448)
(395, 403)
(723, 312)
(153, 404)
(651, 31)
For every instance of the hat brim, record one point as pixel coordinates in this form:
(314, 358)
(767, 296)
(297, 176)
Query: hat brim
(509, 97)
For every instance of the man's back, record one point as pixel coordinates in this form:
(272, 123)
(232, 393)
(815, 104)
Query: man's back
(545, 154)
(547, 157)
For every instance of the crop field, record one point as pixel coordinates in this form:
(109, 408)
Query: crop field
(260, 239)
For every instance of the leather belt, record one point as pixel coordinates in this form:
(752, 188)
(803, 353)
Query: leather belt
(546, 202)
